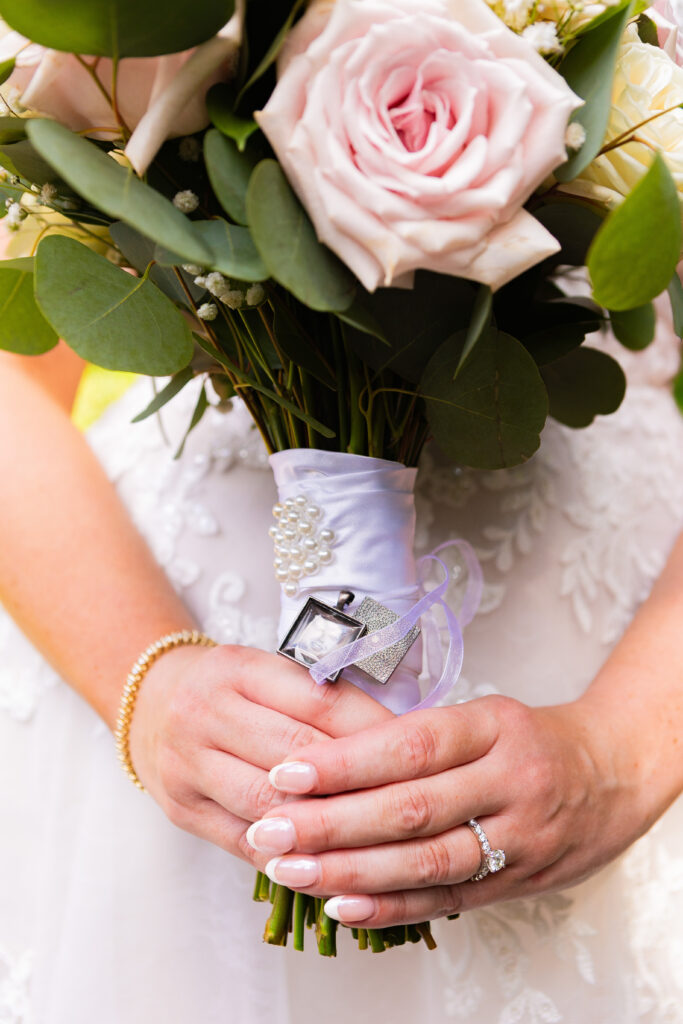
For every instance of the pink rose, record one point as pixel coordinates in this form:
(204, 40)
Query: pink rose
(413, 135)
(668, 17)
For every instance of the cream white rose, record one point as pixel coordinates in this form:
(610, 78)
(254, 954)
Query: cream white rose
(647, 82)
(414, 135)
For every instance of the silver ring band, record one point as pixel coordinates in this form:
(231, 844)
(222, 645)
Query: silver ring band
(491, 860)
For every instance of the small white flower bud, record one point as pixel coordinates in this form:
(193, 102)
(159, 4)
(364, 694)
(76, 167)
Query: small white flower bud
(256, 295)
(15, 215)
(207, 311)
(575, 136)
(48, 192)
(186, 201)
(217, 284)
(192, 268)
(543, 37)
(200, 281)
(233, 298)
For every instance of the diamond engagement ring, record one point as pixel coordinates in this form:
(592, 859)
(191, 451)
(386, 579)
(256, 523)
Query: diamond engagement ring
(491, 860)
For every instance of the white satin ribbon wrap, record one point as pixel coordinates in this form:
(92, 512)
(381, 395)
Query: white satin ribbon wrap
(370, 505)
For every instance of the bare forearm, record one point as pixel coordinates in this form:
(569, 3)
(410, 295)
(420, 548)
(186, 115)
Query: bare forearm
(637, 697)
(74, 572)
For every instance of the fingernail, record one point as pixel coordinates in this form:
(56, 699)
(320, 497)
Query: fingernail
(297, 872)
(293, 777)
(272, 835)
(349, 909)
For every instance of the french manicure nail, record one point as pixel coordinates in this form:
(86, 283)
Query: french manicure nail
(293, 777)
(297, 872)
(272, 835)
(349, 909)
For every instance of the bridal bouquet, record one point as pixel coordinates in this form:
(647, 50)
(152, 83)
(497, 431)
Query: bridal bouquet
(357, 217)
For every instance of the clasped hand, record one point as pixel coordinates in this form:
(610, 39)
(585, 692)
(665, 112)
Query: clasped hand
(390, 839)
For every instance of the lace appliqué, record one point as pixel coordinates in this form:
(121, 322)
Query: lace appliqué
(15, 977)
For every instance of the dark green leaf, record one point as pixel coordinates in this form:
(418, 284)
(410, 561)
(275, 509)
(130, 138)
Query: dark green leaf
(22, 159)
(481, 319)
(589, 69)
(107, 316)
(175, 384)
(116, 190)
(582, 385)
(229, 172)
(634, 328)
(6, 69)
(273, 50)
(234, 252)
(647, 30)
(678, 389)
(23, 328)
(675, 290)
(301, 351)
(626, 268)
(363, 320)
(491, 416)
(574, 225)
(199, 410)
(288, 245)
(219, 104)
(139, 252)
(12, 129)
(123, 28)
(559, 326)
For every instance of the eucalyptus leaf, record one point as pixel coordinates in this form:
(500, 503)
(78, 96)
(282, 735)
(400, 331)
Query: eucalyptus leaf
(117, 28)
(574, 225)
(219, 105)
(199, 410)
(12, 129)
(360, 317)
(140, 251)
(229, 173)
(647, 30)
(634, 328)
(626, 269)
(492, 414)
(675, 291)
(107, 316)
(21, 158)
(174, 386)
(582, 385)
(588, 70)
(481, 318)
(301, 351)
(288, 245)
(6, 69)
(116, 190)
(23, 328)
(234, 252)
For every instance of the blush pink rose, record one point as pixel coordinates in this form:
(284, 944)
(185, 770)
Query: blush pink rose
(668, 17)
(414, 134)
(56, 84)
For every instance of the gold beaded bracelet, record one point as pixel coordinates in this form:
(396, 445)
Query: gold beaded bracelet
(129, 696)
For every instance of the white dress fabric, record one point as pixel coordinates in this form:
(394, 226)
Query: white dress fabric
(111, 915)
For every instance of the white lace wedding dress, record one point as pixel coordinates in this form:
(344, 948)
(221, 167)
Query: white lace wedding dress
(110, 915)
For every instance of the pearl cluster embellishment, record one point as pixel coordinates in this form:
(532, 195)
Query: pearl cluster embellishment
(302, 543)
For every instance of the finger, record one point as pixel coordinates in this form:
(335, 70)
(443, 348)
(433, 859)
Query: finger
(447, 859)
(337, 709)
(204, 818)
(255, 733)
(413, 746)
(235, 785)
(403, 810)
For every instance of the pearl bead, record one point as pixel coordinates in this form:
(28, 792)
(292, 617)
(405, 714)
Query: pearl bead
(313, 512)
(282, 550)
(310, 544)
(289, 532)
(306, 528)
(293, 516)
(301, 500)
(273, 532)
(310, 566)
(295, 572)
(277, 510)
(326, 536)
(279, 563)
(325, 556)
(289, 503)
(282, 575)
(278, 536)
(296, 552)
(291, 589)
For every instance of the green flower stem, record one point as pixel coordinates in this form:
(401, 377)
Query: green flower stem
(326, 933)
(362, 938)
(377, 944)
(426, 933)
(265, 889)
(256, 896)
(299, 920)
(277, 925)
(358, 443)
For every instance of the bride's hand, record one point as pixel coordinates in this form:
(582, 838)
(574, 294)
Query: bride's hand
(209, 723)
(546, 784)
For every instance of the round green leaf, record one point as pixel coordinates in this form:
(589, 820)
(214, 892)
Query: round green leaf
(634, 328)
(634, 254)
(117, 28)
(219, 104)
(492, 414)
(116, 190)
(287, 242)
(229, 173)
(107, 316)
(12, 129)
(582, 385)
(23, 328)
